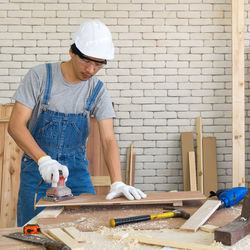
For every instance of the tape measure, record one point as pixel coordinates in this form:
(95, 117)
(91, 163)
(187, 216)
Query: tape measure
(31, 229)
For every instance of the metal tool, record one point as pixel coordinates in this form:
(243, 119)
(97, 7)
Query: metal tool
(59, 193)
(47, 243)
(31, 229)
(168, 214)
(230, 197)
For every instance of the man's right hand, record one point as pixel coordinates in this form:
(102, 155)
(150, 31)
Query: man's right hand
(49, 170)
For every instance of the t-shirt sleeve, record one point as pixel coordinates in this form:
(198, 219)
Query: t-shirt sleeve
(103, 108)
(29, 90)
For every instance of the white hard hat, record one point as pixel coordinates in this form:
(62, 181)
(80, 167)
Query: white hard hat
(94, 39)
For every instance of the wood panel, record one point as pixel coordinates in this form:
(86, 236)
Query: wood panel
(10, 171)
(187, 145)
(238, 94)
(97, 164)
(209, 165)
(99, 200)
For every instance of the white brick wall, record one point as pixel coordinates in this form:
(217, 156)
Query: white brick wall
(172, 64)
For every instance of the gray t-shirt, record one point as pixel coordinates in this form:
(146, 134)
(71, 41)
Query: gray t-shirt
(64, 98)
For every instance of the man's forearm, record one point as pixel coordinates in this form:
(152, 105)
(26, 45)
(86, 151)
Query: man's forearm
(112, 159)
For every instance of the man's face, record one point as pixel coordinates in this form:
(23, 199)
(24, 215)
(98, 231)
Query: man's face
(85, 68)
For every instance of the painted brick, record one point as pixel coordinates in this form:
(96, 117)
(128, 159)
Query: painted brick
(172, 64)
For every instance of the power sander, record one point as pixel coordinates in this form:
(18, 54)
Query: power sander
(60, 192)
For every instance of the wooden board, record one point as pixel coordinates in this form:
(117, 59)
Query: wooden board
(50, 212)
(187, 145)
(199, 154)
(201, 216)
(99, 200)
(60, 235)
(10, 159)
(233, 232)
(192, 171)
(94, 153)
(238, 94)
(209, 165)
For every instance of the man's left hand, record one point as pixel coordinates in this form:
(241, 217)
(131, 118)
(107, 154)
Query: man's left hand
(119, 189)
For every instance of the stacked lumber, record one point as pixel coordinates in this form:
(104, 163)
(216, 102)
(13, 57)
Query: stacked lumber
(10, 158)
(200, 170)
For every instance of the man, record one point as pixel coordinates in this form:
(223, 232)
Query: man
(50, 121)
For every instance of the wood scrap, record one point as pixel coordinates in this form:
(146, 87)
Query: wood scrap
(50, 212)
(201, 216)
(74, 233)
(59, 234)
(171, 243)
(208, 228)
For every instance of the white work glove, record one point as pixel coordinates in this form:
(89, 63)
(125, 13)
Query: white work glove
(118, 189)
(49, 167)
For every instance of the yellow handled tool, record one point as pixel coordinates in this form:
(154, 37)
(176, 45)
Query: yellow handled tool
(175, 213)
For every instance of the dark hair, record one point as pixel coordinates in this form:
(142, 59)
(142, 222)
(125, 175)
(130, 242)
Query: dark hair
(76, 51)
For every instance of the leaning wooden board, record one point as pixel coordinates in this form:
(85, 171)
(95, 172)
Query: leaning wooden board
(153, 198)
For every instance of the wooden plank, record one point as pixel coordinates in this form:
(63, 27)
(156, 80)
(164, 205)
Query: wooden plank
(208, 228)
(75, 234)
(171, 243)
(59, 234)
(192, 171)
(232, 232)
(94, 152)
(99, 200)
(200, 216)
(187, 145)
(50, 212)
(238, 94)
(209, 165)
(130, 173)
(199, 153)
(10, 182)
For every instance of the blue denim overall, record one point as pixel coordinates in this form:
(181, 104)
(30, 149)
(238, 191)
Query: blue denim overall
(63, 137)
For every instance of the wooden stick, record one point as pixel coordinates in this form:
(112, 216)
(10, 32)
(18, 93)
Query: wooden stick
(171, 243)
(199, 153)
(192, 171)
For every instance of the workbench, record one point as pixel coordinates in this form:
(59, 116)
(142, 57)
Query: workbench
(93, 221)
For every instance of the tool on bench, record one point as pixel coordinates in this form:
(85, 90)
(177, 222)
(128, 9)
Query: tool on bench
(237, 229)
(229, 197)
(47, 243)
(31, 229)
(167, 214)
(59, 193)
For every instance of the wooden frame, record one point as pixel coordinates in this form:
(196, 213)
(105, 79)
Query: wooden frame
(238, 102)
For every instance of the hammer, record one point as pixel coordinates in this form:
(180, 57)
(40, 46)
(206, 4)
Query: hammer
(172, 214)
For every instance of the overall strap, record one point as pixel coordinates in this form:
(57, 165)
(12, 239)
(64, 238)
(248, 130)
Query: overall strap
(92, 98)
(48, 84)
